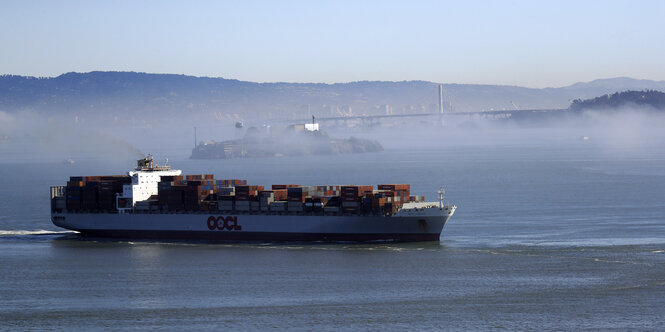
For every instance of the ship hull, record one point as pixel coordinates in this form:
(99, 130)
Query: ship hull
(261, 236)
(256, 227)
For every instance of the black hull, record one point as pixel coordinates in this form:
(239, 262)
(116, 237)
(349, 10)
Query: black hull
(260, 236)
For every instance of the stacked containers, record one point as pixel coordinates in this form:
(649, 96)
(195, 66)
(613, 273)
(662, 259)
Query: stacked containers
(266, 197)
(73, 195)
(93, 193)
(199, 177)
(163, 192)
(225, 191)
(225, 202)
(378, 203)
(351, 197)
(280, 197)
(278, 206)
(89, 196)
(280, 194)
(187, 192)
(315, 204)
(106, 196)
(244, 195)
(309, 191)
(110, 186)
(329, 190)
(230, 182)
(175, 200)
(417, 198)
(192, 195)
(284, 186)
(401, 192)
(295, 199)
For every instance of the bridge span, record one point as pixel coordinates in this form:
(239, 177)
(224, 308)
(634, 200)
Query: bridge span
(480, 114)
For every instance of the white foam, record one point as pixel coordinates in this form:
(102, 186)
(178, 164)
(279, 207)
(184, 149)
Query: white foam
(32, 232)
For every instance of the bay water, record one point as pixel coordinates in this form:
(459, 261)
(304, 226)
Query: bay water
(558, 235)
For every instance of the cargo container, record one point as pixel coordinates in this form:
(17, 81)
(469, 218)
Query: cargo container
(284, 186)
(295, 206)
(278, 206)
(242, 206)
(225, 205)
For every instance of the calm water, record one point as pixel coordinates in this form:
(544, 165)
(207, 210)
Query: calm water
(558, 235)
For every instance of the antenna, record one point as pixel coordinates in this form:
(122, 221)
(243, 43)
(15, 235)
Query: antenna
(195, 137)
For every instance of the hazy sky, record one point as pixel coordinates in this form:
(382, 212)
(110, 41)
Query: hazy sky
(526, 43)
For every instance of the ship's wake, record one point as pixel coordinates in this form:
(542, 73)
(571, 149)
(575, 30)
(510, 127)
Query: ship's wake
(32, 234)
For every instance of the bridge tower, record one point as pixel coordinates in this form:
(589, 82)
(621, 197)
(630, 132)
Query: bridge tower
(441, 103)
(440, 98)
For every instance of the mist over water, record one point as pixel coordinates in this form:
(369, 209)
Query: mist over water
(28, 136)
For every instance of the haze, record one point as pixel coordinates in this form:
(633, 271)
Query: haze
(121, 115)
(524, 43)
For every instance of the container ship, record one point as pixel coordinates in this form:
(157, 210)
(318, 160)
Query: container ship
(157, 202)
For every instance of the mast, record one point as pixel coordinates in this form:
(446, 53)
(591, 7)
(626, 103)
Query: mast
(442, 194)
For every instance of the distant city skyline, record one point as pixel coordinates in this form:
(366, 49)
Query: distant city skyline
(523, 43)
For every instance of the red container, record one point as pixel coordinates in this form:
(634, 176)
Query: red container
(280, 194)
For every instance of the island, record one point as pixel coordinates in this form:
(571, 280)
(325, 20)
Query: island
(648, 99)
(293, 140)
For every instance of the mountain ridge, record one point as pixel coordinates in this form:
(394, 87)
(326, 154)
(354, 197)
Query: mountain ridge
(105, 95)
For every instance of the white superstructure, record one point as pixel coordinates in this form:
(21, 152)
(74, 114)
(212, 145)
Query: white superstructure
(145, 178)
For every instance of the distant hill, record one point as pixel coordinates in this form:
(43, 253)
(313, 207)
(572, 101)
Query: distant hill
(120, 97)
(619, 84)
(645, 99)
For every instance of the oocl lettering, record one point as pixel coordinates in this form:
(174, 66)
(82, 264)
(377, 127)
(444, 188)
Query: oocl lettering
(229, 223)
